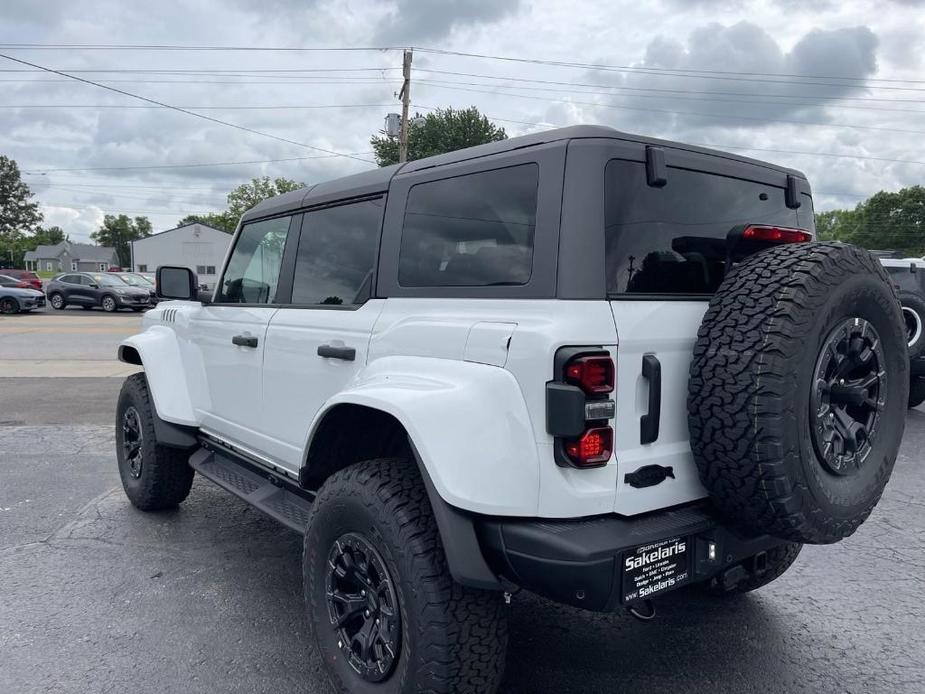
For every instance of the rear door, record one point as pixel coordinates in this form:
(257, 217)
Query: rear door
(319, 340)
(665, 251)
(228, 335)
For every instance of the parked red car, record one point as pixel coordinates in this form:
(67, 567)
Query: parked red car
(26, 276)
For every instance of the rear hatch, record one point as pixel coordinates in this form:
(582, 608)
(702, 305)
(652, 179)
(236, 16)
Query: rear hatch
(665, 256)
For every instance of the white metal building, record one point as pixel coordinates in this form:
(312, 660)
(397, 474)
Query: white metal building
(197, 246)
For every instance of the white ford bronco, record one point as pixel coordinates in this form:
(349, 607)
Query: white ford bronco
(587, 364)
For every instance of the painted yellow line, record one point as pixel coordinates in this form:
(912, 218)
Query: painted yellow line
(58, 368)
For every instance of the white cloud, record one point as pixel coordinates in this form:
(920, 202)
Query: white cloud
(846, 39)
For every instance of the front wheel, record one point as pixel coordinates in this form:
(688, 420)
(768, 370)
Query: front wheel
(384, 612)
(109, 304)
(9, 305)
(154, 476)
(57, 301)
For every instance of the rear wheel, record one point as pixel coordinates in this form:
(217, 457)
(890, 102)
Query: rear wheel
(913, 308)
(154, 476)
(57, 301)
(109, 304)
(916, 391)
(384, 612)
(9, 305)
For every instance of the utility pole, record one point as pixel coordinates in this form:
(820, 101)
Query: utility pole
(405, 95)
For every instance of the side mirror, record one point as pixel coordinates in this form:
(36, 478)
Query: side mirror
(177, 283)
(94, 285)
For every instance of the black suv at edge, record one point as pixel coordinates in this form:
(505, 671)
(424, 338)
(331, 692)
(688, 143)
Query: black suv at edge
(89, 289)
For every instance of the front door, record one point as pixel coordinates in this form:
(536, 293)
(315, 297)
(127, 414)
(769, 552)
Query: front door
(317, 344)
(229, 336)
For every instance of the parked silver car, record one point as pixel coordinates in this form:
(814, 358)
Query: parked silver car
(17, 296)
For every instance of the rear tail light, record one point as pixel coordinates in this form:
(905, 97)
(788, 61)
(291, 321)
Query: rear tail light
(773, 234)
(595, 375)
(592, 449)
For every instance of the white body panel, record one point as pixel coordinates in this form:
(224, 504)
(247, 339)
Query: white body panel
(466, 377)
(668, 330)
(297, 382)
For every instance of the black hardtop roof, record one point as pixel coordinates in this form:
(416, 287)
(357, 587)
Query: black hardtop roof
(377, 180)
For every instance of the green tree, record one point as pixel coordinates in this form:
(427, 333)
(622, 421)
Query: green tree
(47, 236)
(119, 231)
(445, 130)
(19, 215)
(241, 199)
(886, 220)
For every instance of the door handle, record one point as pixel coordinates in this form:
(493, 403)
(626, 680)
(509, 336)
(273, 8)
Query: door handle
(244, 341)
(648, 423)
(332, 352)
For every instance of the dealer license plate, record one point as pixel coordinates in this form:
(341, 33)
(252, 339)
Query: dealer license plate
(656, 567)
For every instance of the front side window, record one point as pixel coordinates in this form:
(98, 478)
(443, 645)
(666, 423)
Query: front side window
(475, 230)
(253, 270)
(672, 239)
(337, 253)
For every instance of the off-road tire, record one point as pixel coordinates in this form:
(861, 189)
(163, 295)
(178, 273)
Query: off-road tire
(57, 301)
(913, 307)
(916, 391)
(9, 305)
(165, 476)
(779, 559)
(754, 367)
(109, 303)
(453, 638)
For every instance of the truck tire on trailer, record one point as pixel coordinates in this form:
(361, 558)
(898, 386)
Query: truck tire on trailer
(798, 390)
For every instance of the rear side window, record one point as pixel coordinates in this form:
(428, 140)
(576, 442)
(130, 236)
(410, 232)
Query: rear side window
(672, 240)
(337, 254)
(475, 230)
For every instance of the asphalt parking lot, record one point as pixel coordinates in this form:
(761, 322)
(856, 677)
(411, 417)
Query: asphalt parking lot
(98, 597)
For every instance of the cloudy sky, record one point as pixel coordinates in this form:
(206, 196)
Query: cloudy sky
(834, 88)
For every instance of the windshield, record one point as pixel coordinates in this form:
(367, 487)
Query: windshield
(108, 280)
(134, 280)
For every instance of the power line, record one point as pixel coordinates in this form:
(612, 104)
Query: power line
(42, 172)
(436, 51)
(201, 108)
(187, 112)
(177, 47)
(692, 73)
(822, 97)
(550, 126)
(696, 114)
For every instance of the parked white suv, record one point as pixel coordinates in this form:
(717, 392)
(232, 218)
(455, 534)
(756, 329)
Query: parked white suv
(592, 365)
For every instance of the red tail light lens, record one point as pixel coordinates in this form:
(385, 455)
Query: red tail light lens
(594, 375)
(773, 234)
(593, 448)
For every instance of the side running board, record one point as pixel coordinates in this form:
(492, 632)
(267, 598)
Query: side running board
(278, 499)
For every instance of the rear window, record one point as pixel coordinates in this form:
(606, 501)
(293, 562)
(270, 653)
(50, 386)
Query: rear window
(672, 240)
(470, 231)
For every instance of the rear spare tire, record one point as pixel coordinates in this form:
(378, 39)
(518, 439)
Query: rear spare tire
(798, 389)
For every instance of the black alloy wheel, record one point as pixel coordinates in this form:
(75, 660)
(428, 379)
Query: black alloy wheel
(132, 441)
(849, 394)
(363, 607)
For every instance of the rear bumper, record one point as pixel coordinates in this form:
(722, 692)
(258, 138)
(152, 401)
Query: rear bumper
(583, 562)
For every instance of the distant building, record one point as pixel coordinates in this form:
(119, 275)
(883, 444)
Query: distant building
(197, 246)
(71, 257)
